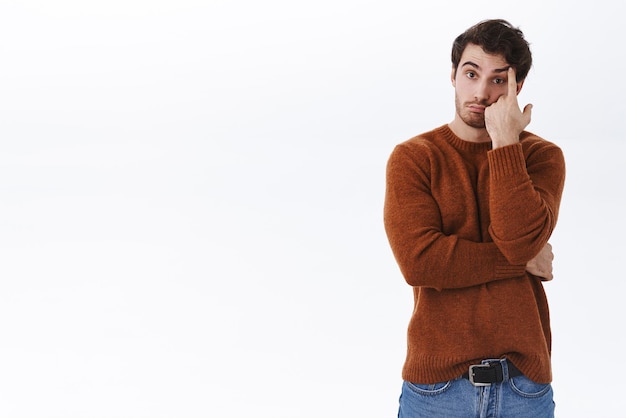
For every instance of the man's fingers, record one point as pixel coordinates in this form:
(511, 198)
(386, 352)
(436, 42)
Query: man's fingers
(512, 80)
(527, 112)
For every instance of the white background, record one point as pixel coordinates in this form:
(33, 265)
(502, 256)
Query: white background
(191, 200)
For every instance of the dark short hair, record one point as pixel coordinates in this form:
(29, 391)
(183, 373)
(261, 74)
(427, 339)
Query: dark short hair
(496, 36)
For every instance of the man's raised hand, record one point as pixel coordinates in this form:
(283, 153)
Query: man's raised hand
(503, 119)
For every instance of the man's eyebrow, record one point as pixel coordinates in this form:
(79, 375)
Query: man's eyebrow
(470, 63)
(502, 70)
(497, 70)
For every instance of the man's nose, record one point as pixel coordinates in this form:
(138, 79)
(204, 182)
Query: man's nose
(482, 92)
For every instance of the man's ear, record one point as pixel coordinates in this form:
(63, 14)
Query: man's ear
(453, 77)
(520, 85)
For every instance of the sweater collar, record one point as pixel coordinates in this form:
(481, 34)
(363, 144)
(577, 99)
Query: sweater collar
(461, 144)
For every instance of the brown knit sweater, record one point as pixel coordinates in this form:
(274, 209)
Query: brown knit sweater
(463, 220)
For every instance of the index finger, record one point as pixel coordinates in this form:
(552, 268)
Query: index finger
(512, 81)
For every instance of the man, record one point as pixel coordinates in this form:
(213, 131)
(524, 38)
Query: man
(469, 209)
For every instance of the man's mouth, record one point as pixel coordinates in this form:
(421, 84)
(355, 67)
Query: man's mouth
(476, 108)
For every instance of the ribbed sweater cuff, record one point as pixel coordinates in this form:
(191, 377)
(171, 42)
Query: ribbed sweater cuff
(506, 161)
(506, 270)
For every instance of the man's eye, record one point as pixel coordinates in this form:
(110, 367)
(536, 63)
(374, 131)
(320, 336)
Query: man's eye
(499, 81)
(470, 74)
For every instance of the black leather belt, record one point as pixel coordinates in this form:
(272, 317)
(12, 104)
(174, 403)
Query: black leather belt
(488, 373)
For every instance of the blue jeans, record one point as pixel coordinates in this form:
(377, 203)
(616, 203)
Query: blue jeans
(517, 397)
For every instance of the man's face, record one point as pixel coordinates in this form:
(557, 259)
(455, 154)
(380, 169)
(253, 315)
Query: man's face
(479, 81)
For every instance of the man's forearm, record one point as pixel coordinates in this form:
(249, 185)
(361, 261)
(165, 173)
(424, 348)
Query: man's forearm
(525, 193)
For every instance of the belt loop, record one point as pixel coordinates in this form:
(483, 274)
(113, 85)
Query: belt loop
(505, 368)
(509, 369)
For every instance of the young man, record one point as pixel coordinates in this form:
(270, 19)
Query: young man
(469, 209)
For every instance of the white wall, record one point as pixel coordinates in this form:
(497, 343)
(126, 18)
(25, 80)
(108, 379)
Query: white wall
(191, 201)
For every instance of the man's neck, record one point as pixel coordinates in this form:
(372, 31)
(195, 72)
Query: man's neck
(468, 133)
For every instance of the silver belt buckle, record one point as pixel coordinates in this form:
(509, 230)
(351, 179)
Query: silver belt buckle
(471, 374)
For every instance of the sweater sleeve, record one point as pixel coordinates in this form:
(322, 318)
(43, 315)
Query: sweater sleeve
(525, 188)
(426, 256)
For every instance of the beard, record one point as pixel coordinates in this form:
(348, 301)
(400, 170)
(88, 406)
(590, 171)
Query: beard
(475, 120)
